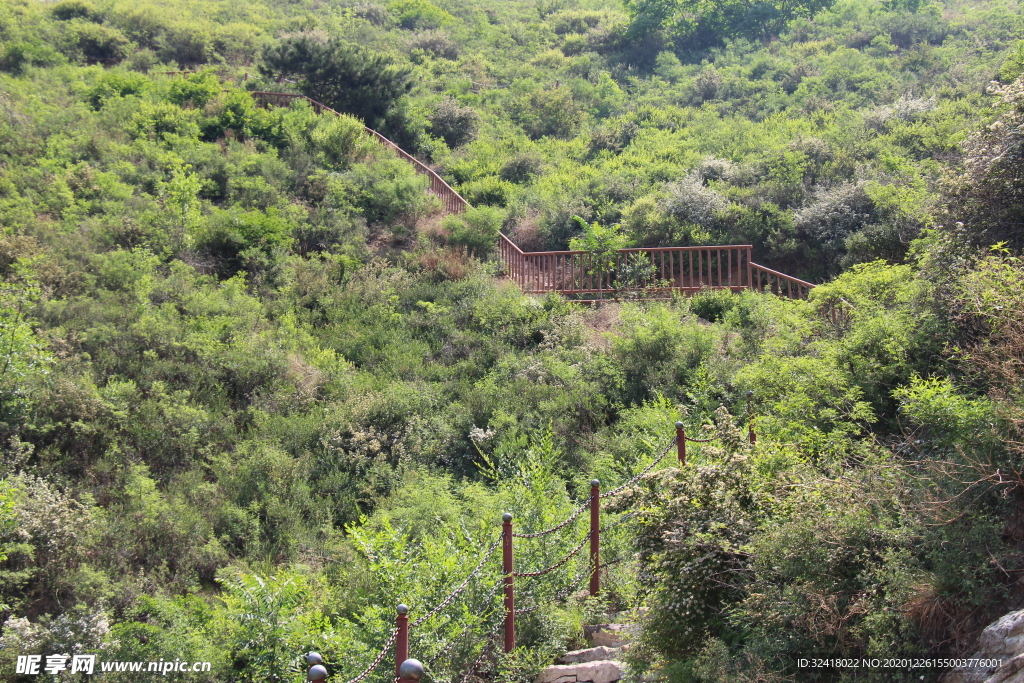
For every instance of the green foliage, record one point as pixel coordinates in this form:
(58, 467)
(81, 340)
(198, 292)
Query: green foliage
(22, 354)
(265, 616)
(419, 14)
(385, 190)
(454, 124)
(244, 240)
(476, 230)
(116, 84)
(243, 343)
(95, 43)
(602, 242)
(698, 25)
(1013, 65)
(546, 112)
(75, 9)
(194, 90)
(340, 75)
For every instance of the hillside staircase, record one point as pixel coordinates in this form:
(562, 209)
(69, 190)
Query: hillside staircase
(600, 663)
(649, 273)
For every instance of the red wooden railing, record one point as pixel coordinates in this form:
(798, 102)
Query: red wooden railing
(451, 200)
(654, 269)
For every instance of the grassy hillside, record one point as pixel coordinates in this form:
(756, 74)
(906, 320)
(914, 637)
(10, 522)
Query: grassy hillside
(256, 390)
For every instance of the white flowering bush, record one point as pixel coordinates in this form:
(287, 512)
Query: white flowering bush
(47, 541)
(689, 201)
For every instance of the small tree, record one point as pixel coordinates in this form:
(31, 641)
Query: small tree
(342, 76)
(603, 243)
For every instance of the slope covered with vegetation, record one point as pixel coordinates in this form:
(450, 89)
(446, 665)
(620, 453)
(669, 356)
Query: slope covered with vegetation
(256, 390)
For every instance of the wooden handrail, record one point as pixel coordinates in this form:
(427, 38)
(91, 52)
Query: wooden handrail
(634, 250)
(451, 200)
(776, 273)
(574, 271)
(682, 269)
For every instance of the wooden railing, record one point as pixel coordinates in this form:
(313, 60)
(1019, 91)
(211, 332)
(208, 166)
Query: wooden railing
(652, 269)
(776, 282)
(451, 200)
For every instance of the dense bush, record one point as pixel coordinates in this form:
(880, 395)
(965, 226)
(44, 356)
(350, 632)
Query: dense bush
(256, 389)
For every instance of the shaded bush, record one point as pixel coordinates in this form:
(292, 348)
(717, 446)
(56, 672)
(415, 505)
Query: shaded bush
(476, 230)
(454, 124)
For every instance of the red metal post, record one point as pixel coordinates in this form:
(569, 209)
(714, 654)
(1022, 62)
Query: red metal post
(402, 640)
(750, 420)
(681, 443)
(595, 536)
(506, 565)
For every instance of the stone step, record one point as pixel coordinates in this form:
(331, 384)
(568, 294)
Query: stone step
(602, 671)
(592, 654)
(610, 635)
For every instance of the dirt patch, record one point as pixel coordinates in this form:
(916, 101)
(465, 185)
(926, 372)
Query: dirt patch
(599, 320)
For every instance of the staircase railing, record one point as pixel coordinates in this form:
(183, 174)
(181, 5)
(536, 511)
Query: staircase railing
(652, 269)
(655, 269)
(452, 201)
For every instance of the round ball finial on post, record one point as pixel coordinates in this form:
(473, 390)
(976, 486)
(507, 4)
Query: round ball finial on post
(314, 658)
(401, 636)
(411, 670)
(317, 673)
(507, 517)
(595, 482)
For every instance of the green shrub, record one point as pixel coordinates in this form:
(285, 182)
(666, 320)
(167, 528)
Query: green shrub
(713, 305)
(116, 84)
(66, 10)
(339, 139)
(419, 14)
(489, 190)
(95, 43)
(194, 90)
(385, 190)
(454, 124)
(477, 230)
(234, 237)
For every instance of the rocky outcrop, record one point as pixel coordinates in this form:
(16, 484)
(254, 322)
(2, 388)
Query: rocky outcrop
(596, 672)
(598, 664)
(609, 635)
(1002, 641)
(593, 654)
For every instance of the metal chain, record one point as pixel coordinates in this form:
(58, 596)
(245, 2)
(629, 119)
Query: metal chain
(560, 596)
(380, 657)
(615, 561)
(620, 520)
(455, 593)
(447, 648)
(699, 440)
(483, 652)
(647, 469)
(561, 562)
(575, 513)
